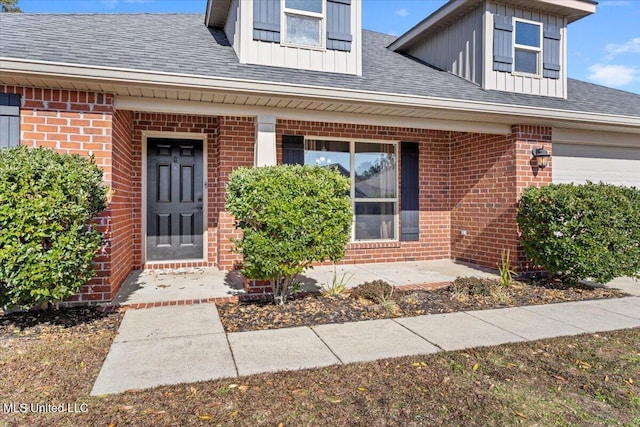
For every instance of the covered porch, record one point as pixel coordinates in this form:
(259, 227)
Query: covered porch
(151, 288)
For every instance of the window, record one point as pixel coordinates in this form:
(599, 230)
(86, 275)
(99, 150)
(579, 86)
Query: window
(527, 47)
(303, 22)
(9, 120)
(371, 167)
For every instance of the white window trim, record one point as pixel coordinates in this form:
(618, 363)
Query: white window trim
(283, 20)
(537, 50)
(352, 158)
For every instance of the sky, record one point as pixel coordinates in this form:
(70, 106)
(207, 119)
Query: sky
(604, 48)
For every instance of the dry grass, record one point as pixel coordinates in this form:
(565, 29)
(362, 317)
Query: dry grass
(588, 380)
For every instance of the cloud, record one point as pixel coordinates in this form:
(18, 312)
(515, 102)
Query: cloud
(402, 12)
(613, 75)
(632, 46)
(616, 3)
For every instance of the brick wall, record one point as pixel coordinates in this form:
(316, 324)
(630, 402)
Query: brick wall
(235, 143)
(526, 138)
(121, 200)
(488, 175)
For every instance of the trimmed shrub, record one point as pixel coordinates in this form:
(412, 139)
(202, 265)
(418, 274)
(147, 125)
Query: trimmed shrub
(47, 243)
(290, 216)
(589, 231)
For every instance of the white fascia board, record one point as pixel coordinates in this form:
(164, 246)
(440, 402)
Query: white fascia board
(333, 94)
(410, 36)
(215, 109)
(598, 138)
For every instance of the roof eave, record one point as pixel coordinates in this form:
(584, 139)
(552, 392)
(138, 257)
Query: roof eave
(216, 13)
(571, 9)
(20, 67)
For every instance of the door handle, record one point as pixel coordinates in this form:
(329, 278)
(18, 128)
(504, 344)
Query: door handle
(199, 207)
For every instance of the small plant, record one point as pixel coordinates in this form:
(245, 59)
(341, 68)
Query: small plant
(377, 291)
(464, 287)
(389, 305)
(338, 285)
(506, 273)
(500, 294)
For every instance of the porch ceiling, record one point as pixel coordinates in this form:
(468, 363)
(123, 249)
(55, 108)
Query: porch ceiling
(233, 101)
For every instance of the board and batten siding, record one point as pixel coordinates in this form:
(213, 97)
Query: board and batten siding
(457, 48)
(511, 82)
(261, 52)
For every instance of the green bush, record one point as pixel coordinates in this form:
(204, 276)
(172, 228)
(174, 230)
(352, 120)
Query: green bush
(290, 216)
(47, 243)
(582, 231)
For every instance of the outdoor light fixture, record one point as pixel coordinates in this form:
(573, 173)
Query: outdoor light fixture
(542, 157)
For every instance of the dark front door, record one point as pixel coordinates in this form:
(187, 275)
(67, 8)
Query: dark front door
(174, 199)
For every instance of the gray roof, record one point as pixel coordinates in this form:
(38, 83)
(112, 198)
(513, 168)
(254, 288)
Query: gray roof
(181, 43)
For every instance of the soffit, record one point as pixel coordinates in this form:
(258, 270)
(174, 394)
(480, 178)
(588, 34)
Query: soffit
(324, 108)
(216, 13)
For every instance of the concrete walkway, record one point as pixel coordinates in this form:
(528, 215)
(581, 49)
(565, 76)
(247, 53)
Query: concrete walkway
(180, 344)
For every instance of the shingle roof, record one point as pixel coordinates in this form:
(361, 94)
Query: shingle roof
(181, 43)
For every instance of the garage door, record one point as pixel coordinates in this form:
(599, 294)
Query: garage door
(579, 163)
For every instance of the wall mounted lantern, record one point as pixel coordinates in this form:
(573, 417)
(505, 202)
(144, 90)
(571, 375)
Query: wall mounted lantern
(542, 157)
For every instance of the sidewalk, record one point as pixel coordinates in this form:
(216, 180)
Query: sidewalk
(178, 344)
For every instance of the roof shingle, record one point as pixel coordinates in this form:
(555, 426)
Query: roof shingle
(181, 43)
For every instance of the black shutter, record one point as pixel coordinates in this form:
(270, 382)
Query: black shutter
(266, 20)
(410, 191)
(339, 25)
(292, 150)
(9, 120)
(502, 43)
(551, 52)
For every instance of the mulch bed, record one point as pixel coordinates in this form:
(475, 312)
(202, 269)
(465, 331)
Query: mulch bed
(314, 309)
(32, 324)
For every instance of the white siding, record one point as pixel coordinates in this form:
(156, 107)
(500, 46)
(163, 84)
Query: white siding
(579, 163)
(457, 48)
(275, 54)
(521, 83)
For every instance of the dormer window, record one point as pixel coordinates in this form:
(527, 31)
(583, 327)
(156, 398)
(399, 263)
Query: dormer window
(527, 47)
(303, 22)
(317, 24)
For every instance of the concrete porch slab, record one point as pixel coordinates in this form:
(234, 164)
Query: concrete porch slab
(167, 322)
(585, 315)
(394, 273)
(152, 286)
(457, 331)
(150, 363)
(279, 350)
(205, 284)
(526, 324)
(372, 340)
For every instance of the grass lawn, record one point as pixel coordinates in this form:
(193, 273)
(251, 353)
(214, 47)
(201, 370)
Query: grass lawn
(584, 380)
